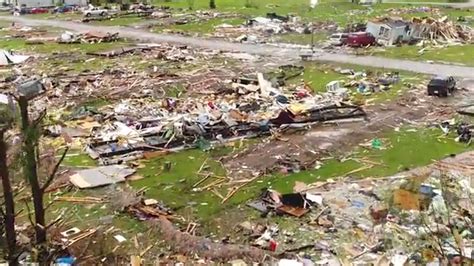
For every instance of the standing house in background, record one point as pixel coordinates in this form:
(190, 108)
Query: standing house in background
(34, 3)
(389, 31)
(74, 2)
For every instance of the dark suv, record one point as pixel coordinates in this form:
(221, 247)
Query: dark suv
(441, 86)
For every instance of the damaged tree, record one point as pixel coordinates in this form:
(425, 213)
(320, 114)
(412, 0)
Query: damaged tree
(189, 244)
(30, 142)
(31, 134)
(9, 213)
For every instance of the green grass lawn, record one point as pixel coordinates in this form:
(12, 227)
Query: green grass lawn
(456, 54)
(53, 47)
(303, 39)
(317, 76)
(403, 150)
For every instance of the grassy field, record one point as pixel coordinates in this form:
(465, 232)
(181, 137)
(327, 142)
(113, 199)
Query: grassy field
(463, 54)
(20, 45)
(402, 150)
(319, 75)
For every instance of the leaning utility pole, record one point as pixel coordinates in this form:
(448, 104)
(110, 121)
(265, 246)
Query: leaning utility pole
(9, 214)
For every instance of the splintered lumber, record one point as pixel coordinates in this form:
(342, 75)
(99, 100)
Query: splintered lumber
(217, 194)
(202, 180)
(358, 170)
(235, 189)
(146, 250)
(84, 235)
(80, 199)
(214, 183)
(151, 211)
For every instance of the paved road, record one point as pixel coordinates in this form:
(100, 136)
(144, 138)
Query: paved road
(257, 49)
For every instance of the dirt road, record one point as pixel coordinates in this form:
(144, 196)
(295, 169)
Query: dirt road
(285, 54)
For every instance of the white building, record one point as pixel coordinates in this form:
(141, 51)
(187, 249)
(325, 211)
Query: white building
(46, 3)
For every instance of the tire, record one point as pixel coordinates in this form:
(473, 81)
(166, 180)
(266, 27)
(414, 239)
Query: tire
(103, 14)
(88, 15)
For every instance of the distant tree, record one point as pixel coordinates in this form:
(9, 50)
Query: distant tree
(212, 4)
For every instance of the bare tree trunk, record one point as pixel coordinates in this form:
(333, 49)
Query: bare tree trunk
(9, 203)
(30, 140)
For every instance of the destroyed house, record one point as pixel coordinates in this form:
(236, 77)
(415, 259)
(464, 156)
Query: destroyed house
(389, 31)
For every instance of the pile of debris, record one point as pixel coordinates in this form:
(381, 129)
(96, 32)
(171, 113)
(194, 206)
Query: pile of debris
(176, 124)
(442, 30)
(413, 9)
(415, 217)
(88, 37)
(258, 29)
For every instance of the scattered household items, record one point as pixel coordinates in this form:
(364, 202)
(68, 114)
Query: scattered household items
(464, 133)
(441, 86)
(336, 87)
(294, 204)
(394, 218)
(462, 129)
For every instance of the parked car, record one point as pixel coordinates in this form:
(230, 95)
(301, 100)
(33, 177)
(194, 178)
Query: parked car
(441, 86)
(96, 11)
(4, 7)
(338, 39)
(358, 39)
(64, 9)
(20, 10)
(38, 10)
